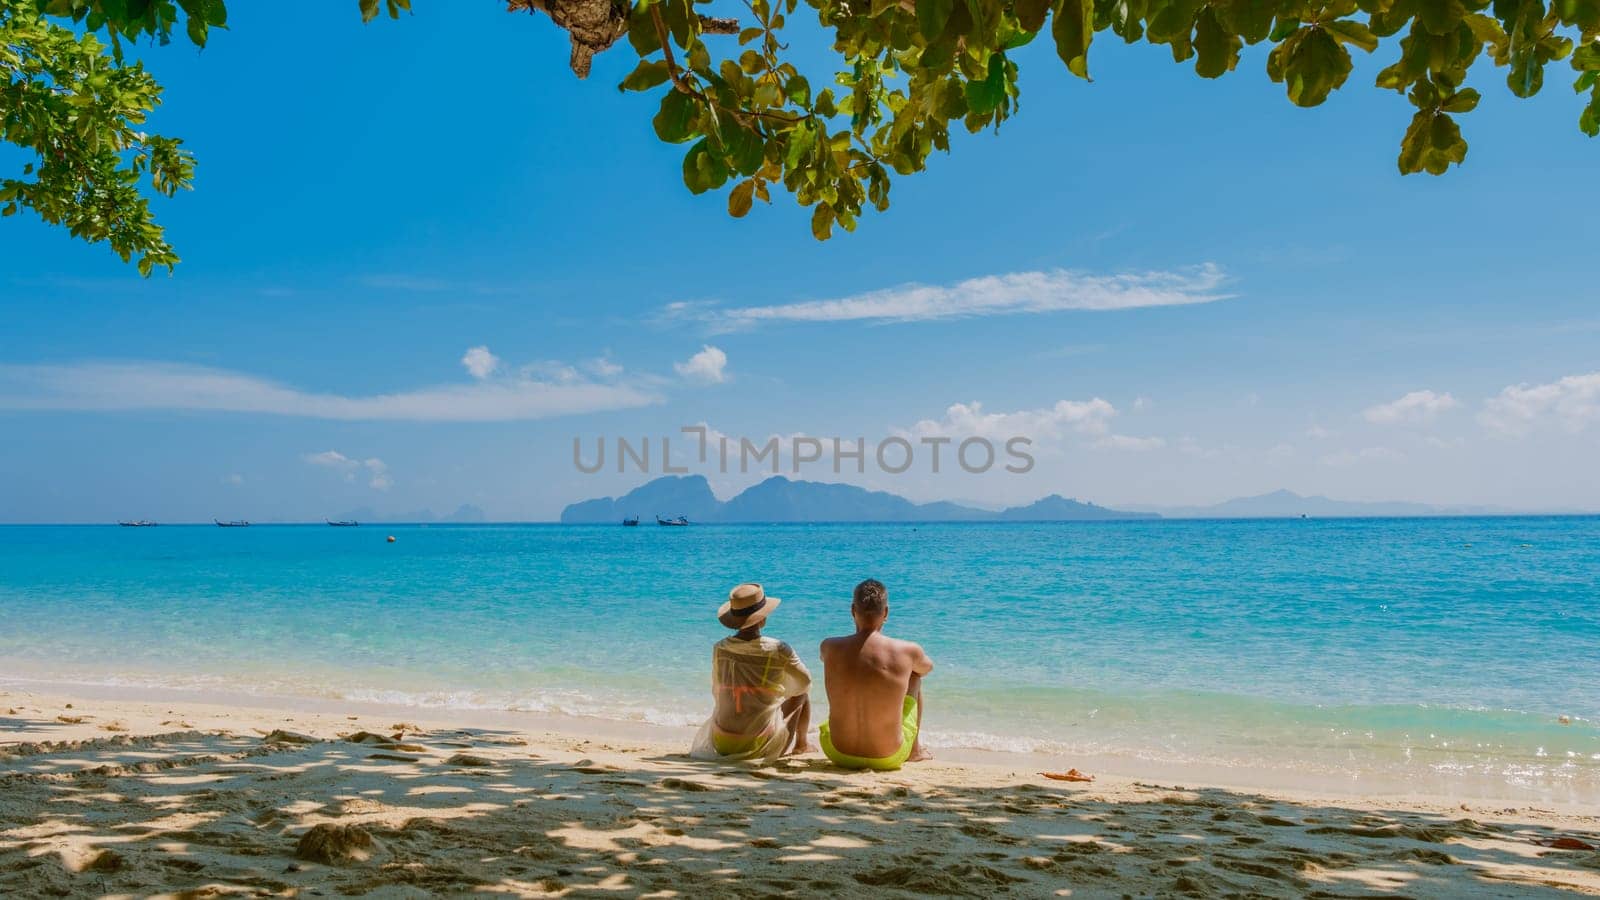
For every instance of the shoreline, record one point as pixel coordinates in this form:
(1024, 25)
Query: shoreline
(1286, 783)
(163, 797)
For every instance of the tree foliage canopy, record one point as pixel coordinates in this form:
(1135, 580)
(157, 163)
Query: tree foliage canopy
(909, 71)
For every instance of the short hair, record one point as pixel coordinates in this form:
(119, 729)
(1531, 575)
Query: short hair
(871, 597)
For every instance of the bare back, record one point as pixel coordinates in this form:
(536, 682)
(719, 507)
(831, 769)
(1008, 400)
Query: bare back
(868, 675)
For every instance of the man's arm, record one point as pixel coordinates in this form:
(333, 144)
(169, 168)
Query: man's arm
(921, 663)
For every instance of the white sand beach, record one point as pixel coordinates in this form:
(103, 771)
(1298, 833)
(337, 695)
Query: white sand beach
(122, 798)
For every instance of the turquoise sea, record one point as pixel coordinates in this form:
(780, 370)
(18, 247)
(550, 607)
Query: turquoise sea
(1426, 653)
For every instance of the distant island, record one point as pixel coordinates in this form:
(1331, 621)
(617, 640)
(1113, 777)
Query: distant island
(1282, 504)
(779, 499)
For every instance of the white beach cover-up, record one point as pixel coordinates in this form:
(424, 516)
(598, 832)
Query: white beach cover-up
(750, 680)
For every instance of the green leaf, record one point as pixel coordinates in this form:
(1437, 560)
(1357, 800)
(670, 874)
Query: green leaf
(1440, 16)
(767, 93)
(1311, 63)
(676, 14)
(960, 24)
(801, 140)
(1012, 38)
(1172, 20)
(1462, 101)
(741, 198)
(1218, 49)
(744, 149)
(878, 187)
(1030, 13)
(822, 222)
(642, 35)
(1353, 33)
(798, 90)
(986, 96)
(647, 75)
(1526, 75)
(676, 121)
(1073, 29)
(939, 53)
(1251, 20)
(932, 16)
(1583, 13)
(1431, 144)
(702, 170)
(1589, 119)
(824, 106)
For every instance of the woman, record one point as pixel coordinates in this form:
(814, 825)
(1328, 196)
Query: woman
(759, 685)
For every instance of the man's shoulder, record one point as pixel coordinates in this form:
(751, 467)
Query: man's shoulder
(905, 647)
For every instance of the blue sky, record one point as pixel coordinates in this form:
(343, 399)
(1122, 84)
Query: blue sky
(375, 201)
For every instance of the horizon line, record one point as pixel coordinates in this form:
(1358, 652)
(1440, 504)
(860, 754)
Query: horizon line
(1145, 518)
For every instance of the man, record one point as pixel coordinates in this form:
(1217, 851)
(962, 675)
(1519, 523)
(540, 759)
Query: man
(874, 690)
(763, 710)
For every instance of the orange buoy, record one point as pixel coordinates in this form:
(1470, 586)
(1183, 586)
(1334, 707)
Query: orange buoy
(391, 538)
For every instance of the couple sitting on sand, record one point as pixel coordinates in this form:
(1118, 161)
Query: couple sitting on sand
(761, 687)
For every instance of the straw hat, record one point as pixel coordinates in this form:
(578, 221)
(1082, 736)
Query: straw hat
(747, 605)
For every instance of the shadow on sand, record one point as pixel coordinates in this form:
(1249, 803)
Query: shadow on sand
(476, 811)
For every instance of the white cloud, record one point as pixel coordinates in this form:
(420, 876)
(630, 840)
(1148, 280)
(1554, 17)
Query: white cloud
(99, 386)
(1318, 433)
(550, 370)
(1571, 403)
(379, 475)
(331, 459)
(1354, 457)
(1127, 442)
(1417, 406)
(234, 479)
(418, 283)
(1084, 417)
(1008, 294)
(604, 367)
(480, 362)
(376, 471)
(708, 366)
(1087, 419)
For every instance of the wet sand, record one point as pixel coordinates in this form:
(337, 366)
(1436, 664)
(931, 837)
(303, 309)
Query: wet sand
(122, 797)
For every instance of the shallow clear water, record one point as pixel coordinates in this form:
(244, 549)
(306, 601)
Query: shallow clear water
(1419, 650)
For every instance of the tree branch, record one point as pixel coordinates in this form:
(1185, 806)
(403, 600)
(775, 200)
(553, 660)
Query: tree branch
(719, 25)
